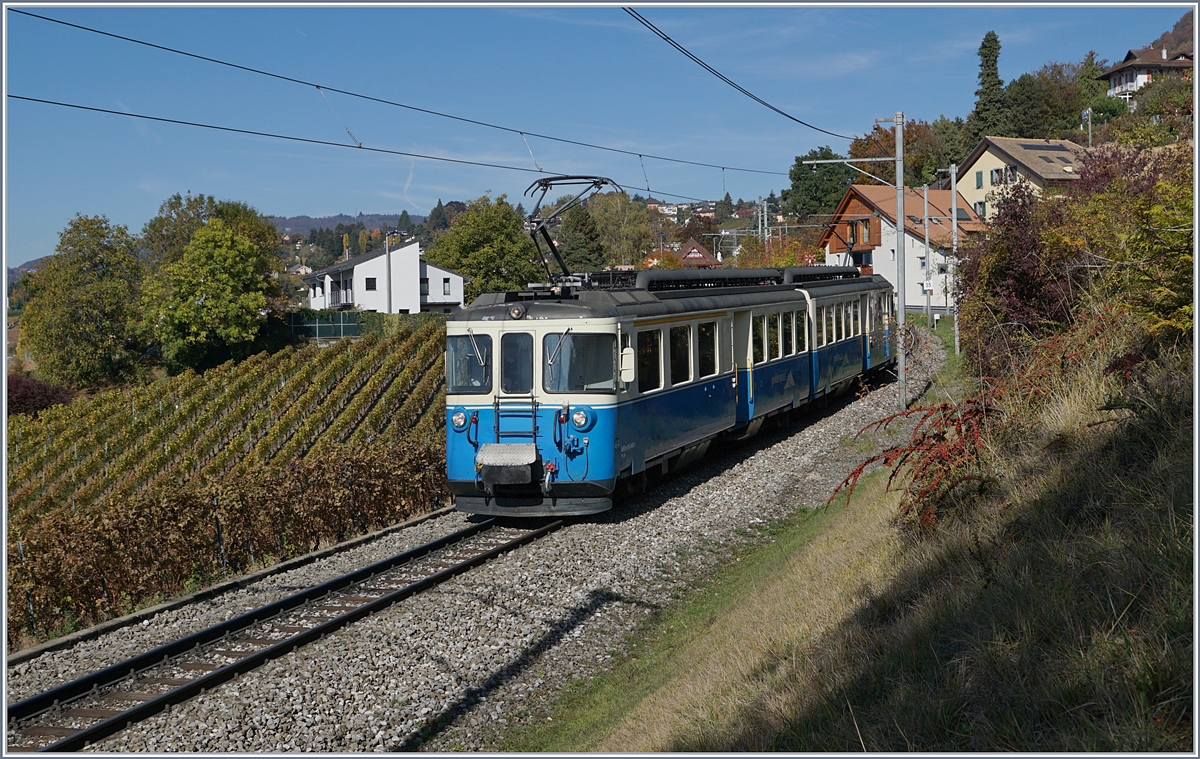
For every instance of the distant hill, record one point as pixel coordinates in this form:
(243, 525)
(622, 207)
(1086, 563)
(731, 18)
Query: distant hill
(15, 272)
(1179, 39)
(305, 224)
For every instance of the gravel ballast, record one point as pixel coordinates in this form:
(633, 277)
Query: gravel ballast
(454, 668)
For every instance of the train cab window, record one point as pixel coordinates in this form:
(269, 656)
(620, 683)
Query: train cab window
(681, 354)
(801, 331)
(469, 363)
(516, 362)
(788, 345)
(772, 336)
(759, 335)
(649, 360)
(706, 344)
(579, 363)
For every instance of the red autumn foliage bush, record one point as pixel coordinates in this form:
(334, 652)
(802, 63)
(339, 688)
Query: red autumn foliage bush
(27, 395)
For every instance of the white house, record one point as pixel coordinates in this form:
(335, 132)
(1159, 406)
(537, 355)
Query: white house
(1140, 67)
(862, 233)
(396, 281)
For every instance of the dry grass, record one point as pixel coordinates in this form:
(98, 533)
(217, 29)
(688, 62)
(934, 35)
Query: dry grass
(744, 659)
(1053, 612)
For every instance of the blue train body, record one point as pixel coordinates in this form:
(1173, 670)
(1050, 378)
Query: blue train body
(557, 395)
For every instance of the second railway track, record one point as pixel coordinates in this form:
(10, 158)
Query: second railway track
(96, 705)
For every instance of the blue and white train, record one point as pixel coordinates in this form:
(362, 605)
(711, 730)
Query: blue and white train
(558, 394)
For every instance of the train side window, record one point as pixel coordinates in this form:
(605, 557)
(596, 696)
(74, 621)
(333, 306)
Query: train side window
(758, 335)
(706, 343)
(516, 362)
(849, 320)
(830, 334)
(857, 319)
(649, 360)
(820, 326)
(788, 345)
(772, 336)
(681, 354)
(841, 321)
(579, 363)
(802, 331)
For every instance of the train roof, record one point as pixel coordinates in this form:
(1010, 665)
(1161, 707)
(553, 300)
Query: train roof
(655, 292)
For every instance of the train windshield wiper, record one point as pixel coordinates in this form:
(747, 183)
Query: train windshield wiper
(478, 353)
(561, 339)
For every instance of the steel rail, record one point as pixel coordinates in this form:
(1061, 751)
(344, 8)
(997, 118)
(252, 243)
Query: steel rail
(163, 654)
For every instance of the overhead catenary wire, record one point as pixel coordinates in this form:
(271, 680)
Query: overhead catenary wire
(384, 101)
(666, 38)
(307, 140)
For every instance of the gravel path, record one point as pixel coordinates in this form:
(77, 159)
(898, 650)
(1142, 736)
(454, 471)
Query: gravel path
(454, 668)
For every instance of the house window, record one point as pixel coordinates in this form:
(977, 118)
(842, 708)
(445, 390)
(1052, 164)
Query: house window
(370, 283)
(852, 232)
(978, 180)
(424, 285)
(981, 209)
(446, 286)
(866, 231)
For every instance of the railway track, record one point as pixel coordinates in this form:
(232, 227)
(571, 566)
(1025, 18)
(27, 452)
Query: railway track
(92, 707)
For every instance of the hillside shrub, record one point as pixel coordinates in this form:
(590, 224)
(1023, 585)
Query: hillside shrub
(27, 395)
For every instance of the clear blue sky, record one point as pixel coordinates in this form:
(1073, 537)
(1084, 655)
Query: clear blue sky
(588, 74)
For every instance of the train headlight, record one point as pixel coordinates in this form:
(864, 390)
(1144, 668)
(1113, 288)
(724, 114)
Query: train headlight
(459, 420)
(579, 418)
(516, 311)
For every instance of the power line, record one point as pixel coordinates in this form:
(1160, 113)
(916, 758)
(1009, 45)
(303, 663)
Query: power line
(382, 101)
(666, 38)
(308, 140)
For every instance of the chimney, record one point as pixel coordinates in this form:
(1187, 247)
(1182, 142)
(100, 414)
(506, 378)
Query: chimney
(1164, 52)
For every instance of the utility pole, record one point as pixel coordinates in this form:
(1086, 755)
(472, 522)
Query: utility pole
(901, 377)
(927, 285)
(954, 244)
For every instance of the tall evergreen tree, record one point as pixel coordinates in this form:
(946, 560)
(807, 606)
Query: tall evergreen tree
(579, 241)
(404, 223)
(1027, 108)
(724, 208)
(1088, 81)
(988, 118)
(438, 221)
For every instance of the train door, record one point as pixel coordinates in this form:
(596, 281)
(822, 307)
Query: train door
(743, 362)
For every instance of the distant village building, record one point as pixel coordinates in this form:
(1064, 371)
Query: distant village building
(862, 233)
(1141, 67)
(999, 161)
(398, 281)
(693, 255)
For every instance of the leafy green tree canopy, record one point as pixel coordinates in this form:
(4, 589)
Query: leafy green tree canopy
(624, 226)
(80, 321)
(215, 297)
(487, 244)
(165, 236)
(816, 189)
